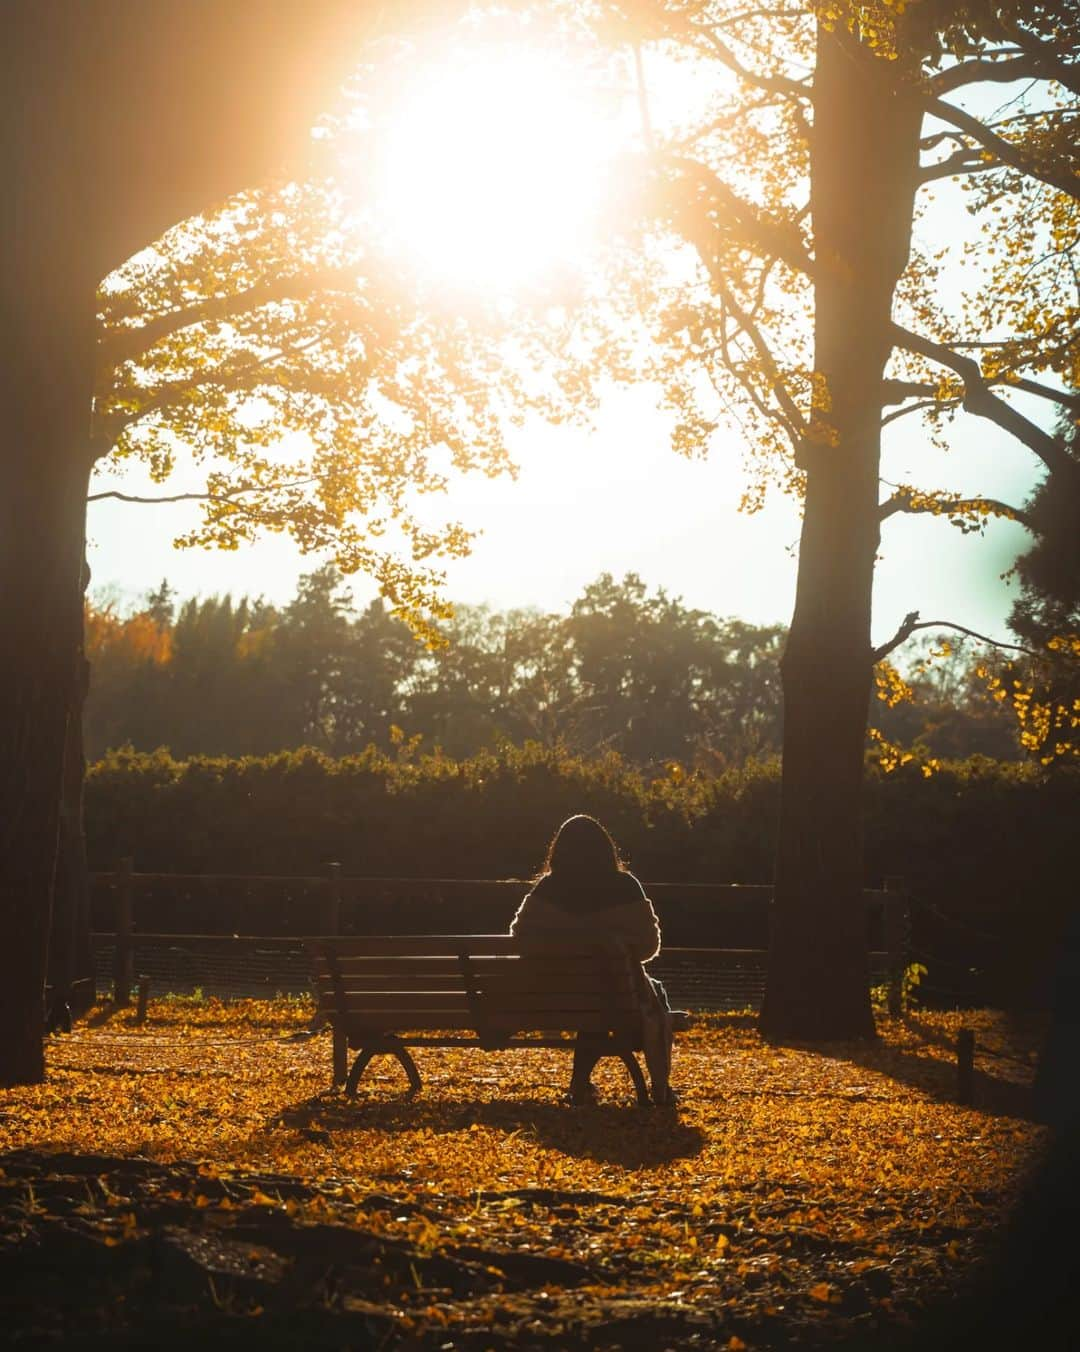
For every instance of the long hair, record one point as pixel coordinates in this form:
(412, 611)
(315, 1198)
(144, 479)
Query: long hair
(581, 849)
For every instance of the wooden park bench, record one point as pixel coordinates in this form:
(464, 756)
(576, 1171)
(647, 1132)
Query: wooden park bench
(384, 994)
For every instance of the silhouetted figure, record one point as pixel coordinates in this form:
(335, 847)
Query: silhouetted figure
(585, 890)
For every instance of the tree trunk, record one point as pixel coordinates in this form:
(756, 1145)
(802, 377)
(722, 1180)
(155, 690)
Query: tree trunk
(45, 393)
(864, 157)
(71, 956)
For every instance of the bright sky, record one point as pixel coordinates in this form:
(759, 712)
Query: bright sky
(616, 499)
(675, 522)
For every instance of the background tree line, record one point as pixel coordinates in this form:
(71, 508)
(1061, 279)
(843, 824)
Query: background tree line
(626, 669)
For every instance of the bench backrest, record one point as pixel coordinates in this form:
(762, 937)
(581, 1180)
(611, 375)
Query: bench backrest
(492, 983)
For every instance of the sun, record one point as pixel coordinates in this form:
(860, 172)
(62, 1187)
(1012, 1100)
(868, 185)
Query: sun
(490, 164)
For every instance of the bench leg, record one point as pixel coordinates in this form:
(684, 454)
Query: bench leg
(408, 1065)
(388, 1046)
(341, 1056)
(630, 1061)
(589, 1050)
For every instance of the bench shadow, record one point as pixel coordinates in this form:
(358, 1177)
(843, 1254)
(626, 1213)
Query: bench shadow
(610, 1133)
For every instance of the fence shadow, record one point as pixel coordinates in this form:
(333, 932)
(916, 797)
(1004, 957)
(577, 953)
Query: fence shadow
(993, 1093)
(626, 1135)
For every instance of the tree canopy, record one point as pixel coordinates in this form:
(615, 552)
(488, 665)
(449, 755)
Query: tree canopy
(297, 381)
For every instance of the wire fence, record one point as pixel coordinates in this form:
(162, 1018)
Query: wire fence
(714, 956)
(706, 979)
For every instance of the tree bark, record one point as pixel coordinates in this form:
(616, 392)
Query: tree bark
(45, 393)
(71, 956)
(864, 157)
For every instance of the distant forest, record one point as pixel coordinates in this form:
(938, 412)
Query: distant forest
(626, 669)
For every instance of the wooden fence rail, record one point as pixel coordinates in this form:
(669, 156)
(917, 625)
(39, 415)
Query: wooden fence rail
(727, 921)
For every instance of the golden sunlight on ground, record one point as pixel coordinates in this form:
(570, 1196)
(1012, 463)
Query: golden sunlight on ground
(836, 1196)
(490, 167)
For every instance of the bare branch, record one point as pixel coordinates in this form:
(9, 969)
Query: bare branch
(136, 497)
(966, 161)
(772, 84)
(921, 407)
(1065, 397)
(907, 627)
(896, 391)
(1048, 64)
(226, 498)
(911, 623)
(1026, 67)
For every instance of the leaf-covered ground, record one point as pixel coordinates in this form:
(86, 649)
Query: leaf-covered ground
(195, 1176)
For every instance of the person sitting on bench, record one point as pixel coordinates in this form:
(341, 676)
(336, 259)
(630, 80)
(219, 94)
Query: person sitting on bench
(584, 888)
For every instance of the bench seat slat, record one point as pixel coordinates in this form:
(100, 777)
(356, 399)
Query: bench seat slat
(569, 993)
(485, 972)
(450, 945)
(382, 965)
(391, 1002)
(359, 1026)
(403, 982)
(492, 962)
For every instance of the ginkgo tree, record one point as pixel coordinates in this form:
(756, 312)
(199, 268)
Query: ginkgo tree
(302, 383)
(122, 126)
(299, 381)
(818, 311)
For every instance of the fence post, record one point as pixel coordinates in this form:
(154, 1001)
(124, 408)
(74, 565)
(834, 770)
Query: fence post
(896, 921)
(331, 906)
(123, 965)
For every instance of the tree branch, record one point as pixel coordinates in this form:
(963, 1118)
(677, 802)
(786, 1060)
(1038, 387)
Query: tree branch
(1049, 65)
(921, 407)
(911, 623)
(233, 377)
(902, 502)
(762, 233)
(1026, 67)
(1006, 151)
(907, 627)
(120, 345)
(980, 399)
(965, 161)
(1041, 391)
(896, 391)
(772, 84)
(202, 497)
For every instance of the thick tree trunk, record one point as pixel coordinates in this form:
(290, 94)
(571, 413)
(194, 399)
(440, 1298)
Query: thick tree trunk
(71, 957)
(864, 158)
(45, 393)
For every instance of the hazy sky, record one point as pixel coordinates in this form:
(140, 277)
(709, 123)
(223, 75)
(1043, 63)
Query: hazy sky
(619, 500)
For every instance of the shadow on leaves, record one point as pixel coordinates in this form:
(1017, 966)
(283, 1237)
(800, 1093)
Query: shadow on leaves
(633, 1137)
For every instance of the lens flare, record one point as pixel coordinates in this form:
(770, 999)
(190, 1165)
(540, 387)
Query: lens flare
(489, 168)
